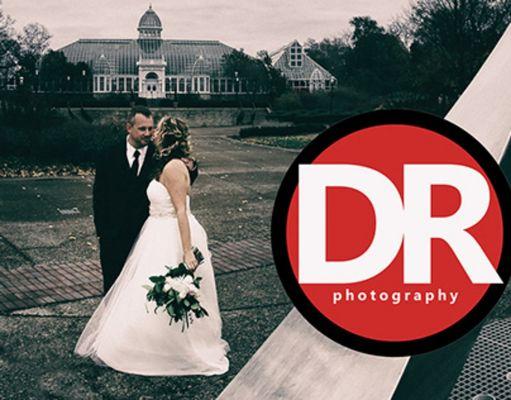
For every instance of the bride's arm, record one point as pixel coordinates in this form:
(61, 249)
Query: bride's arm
(175, 178)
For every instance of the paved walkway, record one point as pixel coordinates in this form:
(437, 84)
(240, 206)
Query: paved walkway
(41, 285)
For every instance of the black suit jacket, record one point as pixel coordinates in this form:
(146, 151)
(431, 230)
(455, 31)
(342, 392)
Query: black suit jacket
(120, 202)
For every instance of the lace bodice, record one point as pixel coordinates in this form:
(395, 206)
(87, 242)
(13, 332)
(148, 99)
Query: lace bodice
(160, 203)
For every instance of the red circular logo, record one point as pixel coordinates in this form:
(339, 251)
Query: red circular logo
(389, 231)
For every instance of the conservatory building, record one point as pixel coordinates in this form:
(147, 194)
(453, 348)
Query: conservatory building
(301, 71)
(152, 67)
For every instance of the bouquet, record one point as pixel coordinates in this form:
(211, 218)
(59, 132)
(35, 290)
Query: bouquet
(178, 293)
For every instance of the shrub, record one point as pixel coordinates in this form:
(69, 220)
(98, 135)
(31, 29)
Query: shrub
(72, 141)
(14, 141)
(323, 106)
(77, 141)
(288, 101)
(115, 100)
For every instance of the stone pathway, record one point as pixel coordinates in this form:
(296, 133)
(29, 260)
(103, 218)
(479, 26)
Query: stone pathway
(40, 285)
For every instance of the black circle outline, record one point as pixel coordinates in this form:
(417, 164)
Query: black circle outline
(279, 223)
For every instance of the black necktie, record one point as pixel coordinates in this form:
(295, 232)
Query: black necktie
(134, 166)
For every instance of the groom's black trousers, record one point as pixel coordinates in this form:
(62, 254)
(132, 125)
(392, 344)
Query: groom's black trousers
(113, 252)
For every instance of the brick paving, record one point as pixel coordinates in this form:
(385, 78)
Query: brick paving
(27, 287)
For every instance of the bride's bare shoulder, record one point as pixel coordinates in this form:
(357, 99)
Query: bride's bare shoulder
(174, 168)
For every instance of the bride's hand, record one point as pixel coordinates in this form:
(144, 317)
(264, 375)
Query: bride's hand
(190, 260)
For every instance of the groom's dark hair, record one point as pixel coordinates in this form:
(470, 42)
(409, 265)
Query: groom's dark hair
(146, 112)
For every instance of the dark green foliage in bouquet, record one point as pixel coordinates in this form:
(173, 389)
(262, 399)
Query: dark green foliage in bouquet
(178, 293)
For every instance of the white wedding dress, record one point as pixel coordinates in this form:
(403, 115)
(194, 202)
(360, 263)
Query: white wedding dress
(125, 334)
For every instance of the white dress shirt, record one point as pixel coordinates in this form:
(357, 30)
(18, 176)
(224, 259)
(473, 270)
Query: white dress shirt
(130, 155)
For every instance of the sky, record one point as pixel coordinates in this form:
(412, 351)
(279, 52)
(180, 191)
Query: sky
(249, 24)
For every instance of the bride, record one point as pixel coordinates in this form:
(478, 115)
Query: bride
(124, 333)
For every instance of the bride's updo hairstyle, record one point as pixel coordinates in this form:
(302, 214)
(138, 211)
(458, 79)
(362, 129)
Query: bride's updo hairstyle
(171, 140)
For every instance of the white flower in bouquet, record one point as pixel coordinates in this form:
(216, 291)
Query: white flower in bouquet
(177, 293)
(181, 286)
(193, 291)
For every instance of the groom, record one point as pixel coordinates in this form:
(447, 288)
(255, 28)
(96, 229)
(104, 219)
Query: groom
(119, 195)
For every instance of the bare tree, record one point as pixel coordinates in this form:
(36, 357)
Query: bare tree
(9, 47)
(34, 39)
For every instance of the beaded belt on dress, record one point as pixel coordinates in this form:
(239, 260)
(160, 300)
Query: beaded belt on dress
(164, 213)
(160, 214)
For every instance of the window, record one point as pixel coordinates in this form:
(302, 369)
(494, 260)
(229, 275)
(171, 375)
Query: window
(101, 83)
(300, 85)
(129, 83)
(173, 85)
(230, 86)
(295, 55)
(114, 84)
(182, 86)
(121, 85)
(317, 81)
(216, 86)
(201, 84)
(151, 75)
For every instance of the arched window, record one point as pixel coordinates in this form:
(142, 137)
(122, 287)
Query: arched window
(317, 80)
(151, 75)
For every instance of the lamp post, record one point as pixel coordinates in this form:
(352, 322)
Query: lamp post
(84, 81)
(236, 87)
(332, 82)
(36, 81)
(22, 84)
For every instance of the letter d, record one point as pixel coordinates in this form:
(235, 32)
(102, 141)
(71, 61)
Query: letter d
(388, 209)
